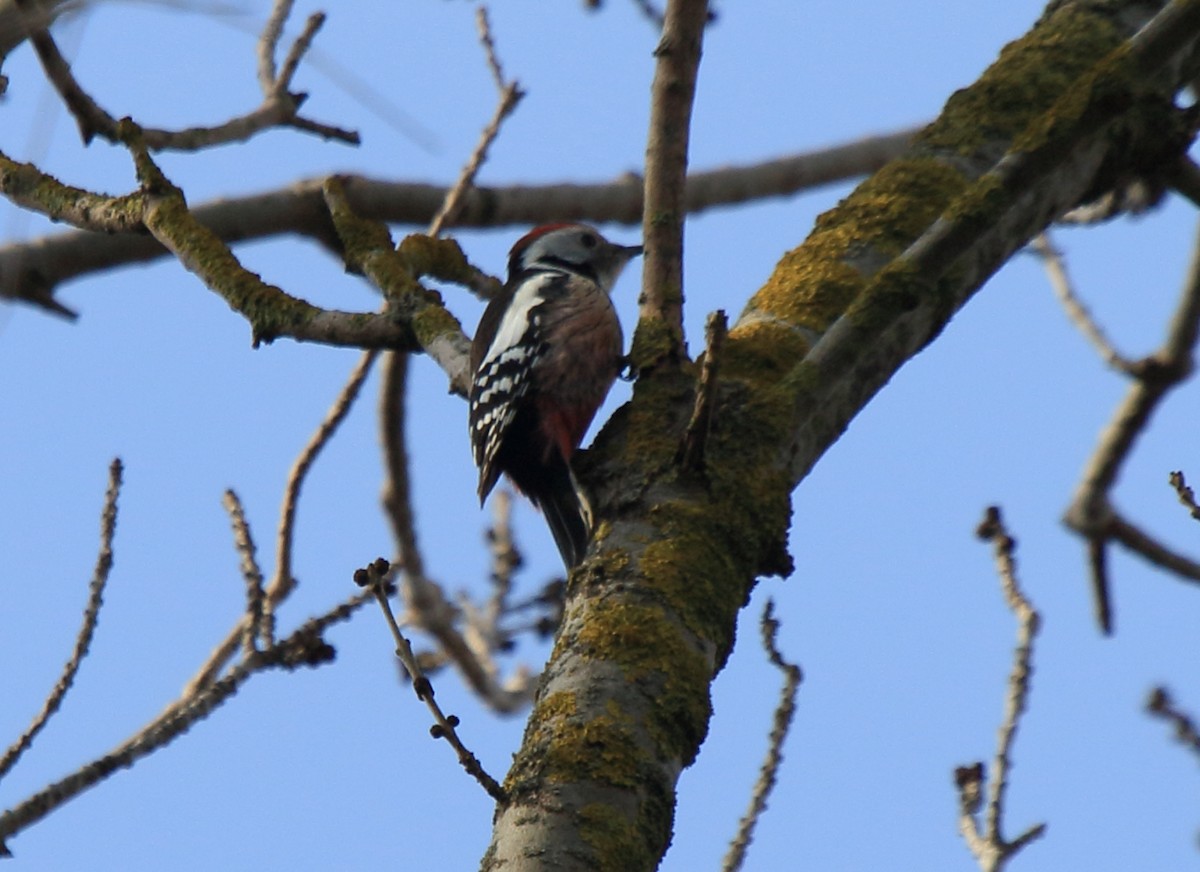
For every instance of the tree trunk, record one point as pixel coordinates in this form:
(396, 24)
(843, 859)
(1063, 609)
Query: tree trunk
(1065, 114)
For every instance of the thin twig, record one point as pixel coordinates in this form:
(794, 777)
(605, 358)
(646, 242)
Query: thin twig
(672, 95)
(425, 599)
(1146, 546)
(299, 48)
(1091, 513)
(284, 582)
(510, 96)
(91, 614)
(695, 438)
(1077, 312)
(397, 492)
(374, 577)
(304, 647)
(785, 712)
(268, 44)
(506, 560)
(1185, 494)
(255, 629)
(1162, 705)
(279, 109)
(649, 11)
(987, 843)
(489, 48)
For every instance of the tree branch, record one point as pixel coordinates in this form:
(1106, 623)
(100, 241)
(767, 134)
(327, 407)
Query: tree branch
(785, 712)
(83, 639)
(672, 93)
(988, 845)
(1092, 513)
(33, 271)
(1077, 312)
(305, 647)
(279, 108)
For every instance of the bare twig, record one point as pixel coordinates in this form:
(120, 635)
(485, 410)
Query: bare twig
(1146, 546)
(425, 599)
(283, 582)
(1092, 513)
(651, 12)
(489, 48)
(785, 712)
(305, 647)
(256, 629)
(506, 558)
(83, 639)
(1162, 705)
(280, 108)
(271, 311)
(397, 493)
(1185, 494)
(1077, 312)
(268, 43)
(672, 94)
(987, 843)
(375, 578)
(296, 53)
(510, 96)
(696, 436)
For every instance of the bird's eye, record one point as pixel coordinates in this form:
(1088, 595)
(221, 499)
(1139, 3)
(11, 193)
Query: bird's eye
(589, 240)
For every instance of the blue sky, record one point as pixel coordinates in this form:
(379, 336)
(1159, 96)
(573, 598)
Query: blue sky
(894, 610)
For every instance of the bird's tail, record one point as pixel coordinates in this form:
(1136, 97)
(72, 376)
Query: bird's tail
(567, 513)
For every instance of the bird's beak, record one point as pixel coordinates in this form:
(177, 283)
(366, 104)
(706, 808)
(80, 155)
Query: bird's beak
(631, 251)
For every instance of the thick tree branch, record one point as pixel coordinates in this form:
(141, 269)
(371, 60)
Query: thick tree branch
(971, 223)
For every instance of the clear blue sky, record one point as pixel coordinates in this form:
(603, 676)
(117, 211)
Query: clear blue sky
(894, 611)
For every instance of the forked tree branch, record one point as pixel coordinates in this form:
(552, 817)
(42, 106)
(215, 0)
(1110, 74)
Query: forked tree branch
(304, 647)
(33, 271)
(1092, 513)
(280, 107)
(986, 841)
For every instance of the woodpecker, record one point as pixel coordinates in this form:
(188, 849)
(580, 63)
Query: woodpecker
(545, 354)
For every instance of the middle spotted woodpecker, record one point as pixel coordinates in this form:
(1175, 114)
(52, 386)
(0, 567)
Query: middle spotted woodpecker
(546, 352)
